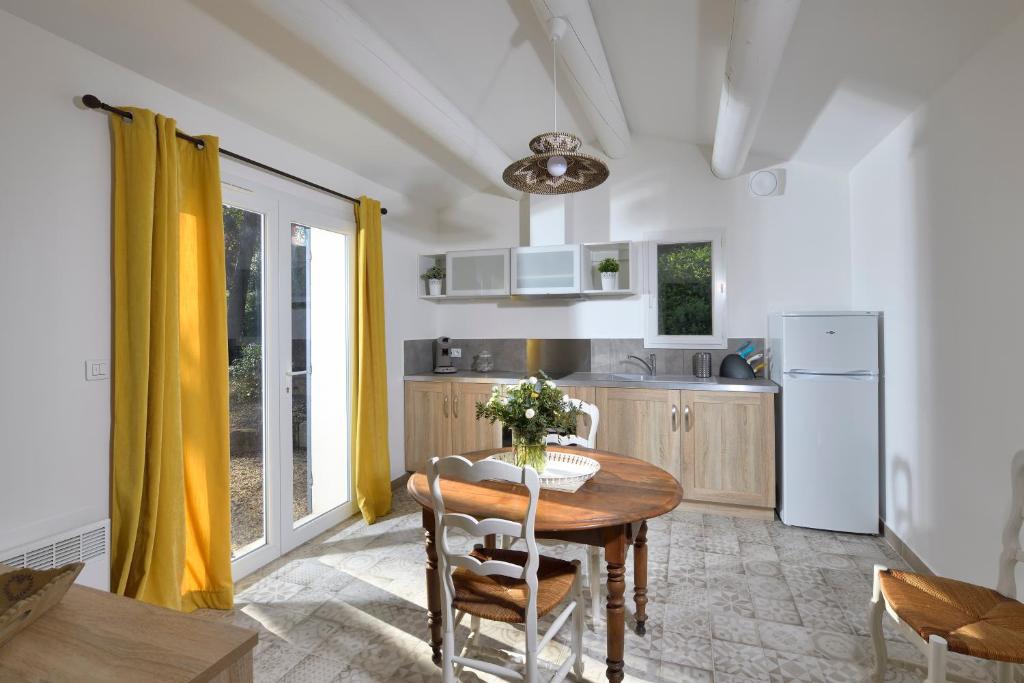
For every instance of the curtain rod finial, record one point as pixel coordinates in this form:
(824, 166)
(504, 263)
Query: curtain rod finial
(384, 211)
(91, 101)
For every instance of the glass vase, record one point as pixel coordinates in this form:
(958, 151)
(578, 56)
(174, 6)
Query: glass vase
(528, 452)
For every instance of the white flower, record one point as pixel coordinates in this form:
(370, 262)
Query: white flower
(533, 380)
(530, 413)
(552, 384)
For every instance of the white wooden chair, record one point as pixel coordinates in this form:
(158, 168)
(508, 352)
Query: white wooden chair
(593, 554)
(943, 615)
(498, 584)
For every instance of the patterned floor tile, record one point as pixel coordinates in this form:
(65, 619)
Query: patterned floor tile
(731, 601)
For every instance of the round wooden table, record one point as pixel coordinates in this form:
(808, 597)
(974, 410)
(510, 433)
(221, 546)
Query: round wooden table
(610, 511)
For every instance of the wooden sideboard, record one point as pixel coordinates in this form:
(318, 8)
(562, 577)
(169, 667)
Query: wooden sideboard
(95, 636)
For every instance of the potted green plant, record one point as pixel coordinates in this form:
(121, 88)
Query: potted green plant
(609, 269)
(434, 276)
(531, 409)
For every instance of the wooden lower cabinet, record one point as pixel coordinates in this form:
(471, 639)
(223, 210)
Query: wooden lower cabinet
(468, 433)
(440, 420)
(729, 448)
(642, 423)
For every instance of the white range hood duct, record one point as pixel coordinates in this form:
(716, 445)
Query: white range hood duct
(332, 27)
(589, 73)
(759, 33)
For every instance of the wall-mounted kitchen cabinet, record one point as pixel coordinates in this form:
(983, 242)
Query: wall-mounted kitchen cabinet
(440, 420)
(482, 272)
(546, 270)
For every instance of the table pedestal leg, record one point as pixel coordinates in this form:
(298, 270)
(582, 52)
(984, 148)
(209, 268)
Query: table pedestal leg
(615, 556)
(433, 587)
(640, 578)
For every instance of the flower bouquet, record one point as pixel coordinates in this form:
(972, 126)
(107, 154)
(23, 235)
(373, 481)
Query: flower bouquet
(531, 409)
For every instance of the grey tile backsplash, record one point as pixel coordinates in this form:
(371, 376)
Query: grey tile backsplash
(560, 357)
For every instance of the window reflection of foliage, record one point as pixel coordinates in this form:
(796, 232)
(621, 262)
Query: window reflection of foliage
(684, 288)
(246, 375)
(243, 267)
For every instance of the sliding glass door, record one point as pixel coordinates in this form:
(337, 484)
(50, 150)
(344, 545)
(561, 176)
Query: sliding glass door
(289, 285)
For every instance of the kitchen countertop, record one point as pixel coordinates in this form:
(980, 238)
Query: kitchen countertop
(608, 379)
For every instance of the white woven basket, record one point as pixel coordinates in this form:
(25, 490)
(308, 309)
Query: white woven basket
(563, 471)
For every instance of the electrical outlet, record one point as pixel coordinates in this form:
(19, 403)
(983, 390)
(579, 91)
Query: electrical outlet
(455, 353)
(96, 370)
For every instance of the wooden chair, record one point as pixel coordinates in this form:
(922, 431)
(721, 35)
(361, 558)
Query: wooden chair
(502, 585)
(593, 572)
(943, 615)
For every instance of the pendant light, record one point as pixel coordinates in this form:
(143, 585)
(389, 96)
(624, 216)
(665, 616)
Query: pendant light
(556, 165)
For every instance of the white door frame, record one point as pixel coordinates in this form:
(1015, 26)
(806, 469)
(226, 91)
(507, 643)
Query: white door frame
(280, 209)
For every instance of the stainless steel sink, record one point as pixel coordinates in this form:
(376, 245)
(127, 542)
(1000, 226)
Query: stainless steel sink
(625, 377)
(646, 379)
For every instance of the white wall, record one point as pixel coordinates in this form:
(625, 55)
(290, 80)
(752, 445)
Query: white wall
(55, 270)
(781, 252)
(937, 237)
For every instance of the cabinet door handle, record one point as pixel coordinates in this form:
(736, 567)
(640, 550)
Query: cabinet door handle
(446, 406)
(686, 418)
(675, 412)
(455, 406)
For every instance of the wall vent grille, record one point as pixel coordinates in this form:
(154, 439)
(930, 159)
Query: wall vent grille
(80, 545)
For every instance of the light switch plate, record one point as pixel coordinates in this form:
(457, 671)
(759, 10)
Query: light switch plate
(455, 353)
(97, 369)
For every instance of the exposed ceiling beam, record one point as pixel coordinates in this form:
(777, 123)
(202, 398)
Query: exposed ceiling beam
(589, 72)
(759, 33)
(332, 27)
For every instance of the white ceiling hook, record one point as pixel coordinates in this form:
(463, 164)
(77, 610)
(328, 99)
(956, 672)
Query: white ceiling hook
(557, 27)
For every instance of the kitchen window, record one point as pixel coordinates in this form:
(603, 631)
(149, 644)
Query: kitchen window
(686, 290)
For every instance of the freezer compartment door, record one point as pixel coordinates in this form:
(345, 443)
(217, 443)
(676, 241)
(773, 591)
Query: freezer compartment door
(830, 344)
(830, 453)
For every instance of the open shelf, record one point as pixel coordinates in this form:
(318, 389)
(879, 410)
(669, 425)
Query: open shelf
(425, 261)
(592, 254)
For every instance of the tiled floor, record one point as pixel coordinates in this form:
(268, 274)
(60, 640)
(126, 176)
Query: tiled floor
(731, 601)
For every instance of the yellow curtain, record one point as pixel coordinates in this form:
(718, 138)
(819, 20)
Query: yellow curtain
(371, 463)
(170, 508)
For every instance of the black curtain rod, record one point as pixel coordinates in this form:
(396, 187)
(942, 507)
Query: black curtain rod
(94, 102)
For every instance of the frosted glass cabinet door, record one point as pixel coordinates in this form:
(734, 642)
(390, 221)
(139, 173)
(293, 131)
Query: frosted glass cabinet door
(478, 273)
(546, 270)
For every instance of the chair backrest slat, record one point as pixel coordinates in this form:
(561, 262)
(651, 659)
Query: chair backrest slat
(591, 411)
(1012, 554)
(459, 468)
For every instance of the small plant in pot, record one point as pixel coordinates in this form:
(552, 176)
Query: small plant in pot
(434, 277)
(531, 409)
(609, 269)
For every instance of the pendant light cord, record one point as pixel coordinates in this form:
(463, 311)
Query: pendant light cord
(554, 73)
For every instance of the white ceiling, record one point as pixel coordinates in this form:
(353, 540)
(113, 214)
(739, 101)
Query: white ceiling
(851, 72)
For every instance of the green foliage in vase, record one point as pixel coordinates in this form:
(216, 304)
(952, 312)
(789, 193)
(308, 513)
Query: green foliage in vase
(531, 408)
(433, 273)
(608, 265)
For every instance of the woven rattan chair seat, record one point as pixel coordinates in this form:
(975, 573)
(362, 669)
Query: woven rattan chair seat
(975, 621)
(500, 598)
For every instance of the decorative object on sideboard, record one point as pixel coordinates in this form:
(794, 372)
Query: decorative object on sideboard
(26, 594)
(434, 276)
(564, 471)
(531, 409)
(702, 364)
(556, 165)
(483, 361)
(609, 269)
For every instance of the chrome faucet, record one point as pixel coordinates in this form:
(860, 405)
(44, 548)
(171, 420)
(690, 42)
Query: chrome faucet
(651, 363)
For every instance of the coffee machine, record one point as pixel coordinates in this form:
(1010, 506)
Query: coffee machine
(442, 356)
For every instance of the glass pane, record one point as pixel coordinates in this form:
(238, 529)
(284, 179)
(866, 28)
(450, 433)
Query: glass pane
(478, 273)
(243, 257)
(546, 269)
(320, 382)
(685, 288)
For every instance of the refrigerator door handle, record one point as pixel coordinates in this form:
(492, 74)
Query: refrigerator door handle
(851, 373)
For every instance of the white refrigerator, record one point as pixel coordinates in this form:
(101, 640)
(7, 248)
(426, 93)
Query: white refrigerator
(827, 365)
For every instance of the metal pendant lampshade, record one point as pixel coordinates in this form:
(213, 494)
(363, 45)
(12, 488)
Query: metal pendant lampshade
(556, 165)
